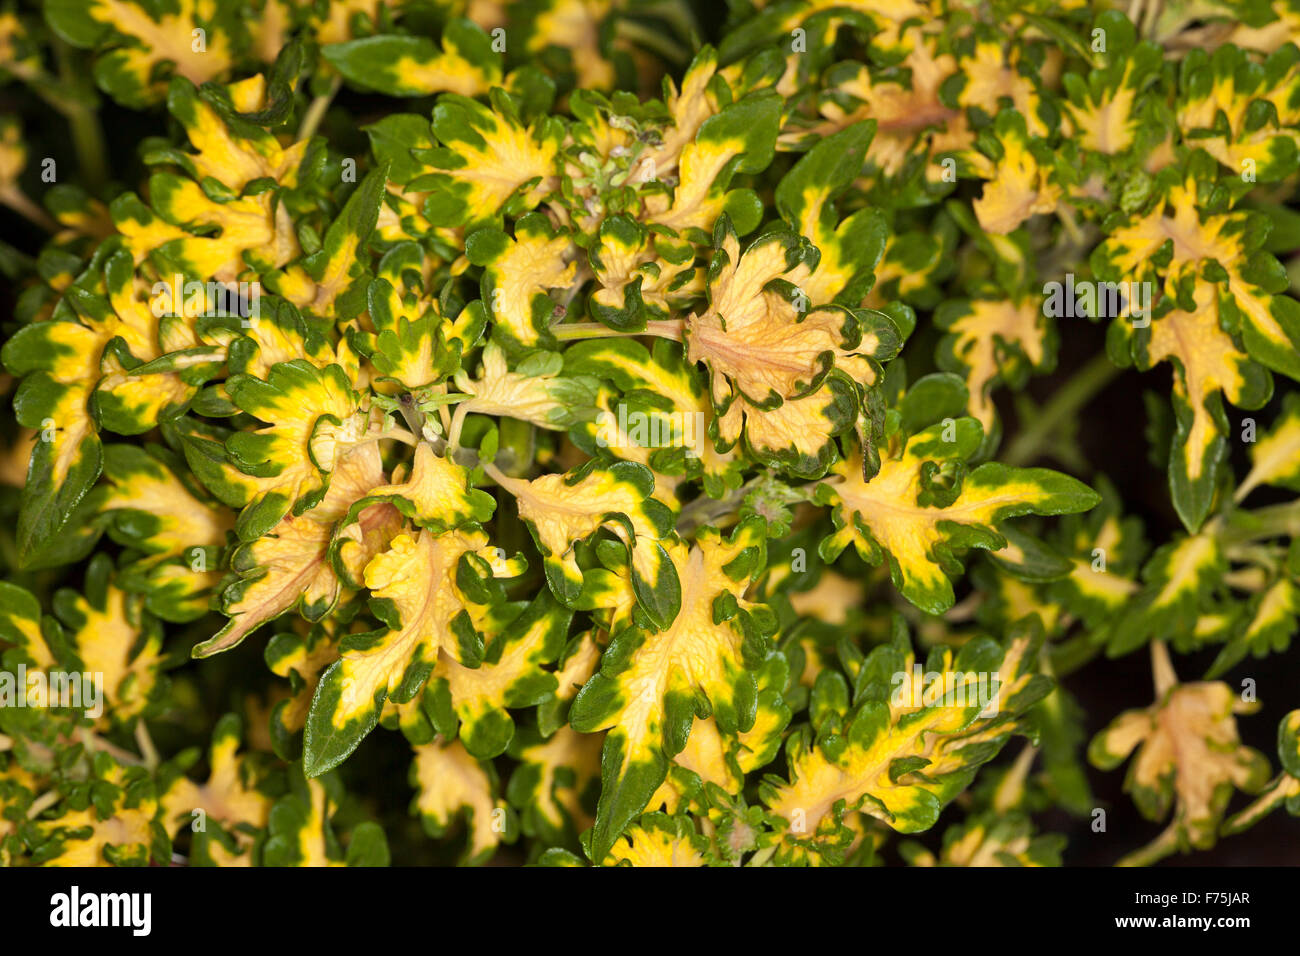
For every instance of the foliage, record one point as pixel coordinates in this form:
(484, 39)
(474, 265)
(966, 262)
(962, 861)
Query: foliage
(620, 414)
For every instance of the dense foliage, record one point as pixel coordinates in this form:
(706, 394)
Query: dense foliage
(604, 424)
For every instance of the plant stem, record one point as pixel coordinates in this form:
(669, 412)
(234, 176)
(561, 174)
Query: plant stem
(83, 120)
(42, 803)
(517, 445)
(1271, 521)
(1071, 226)
(513, 485)
(17, 200)
(1247, 579)
(1076, 393)
(1156, 850)
(145, 743)
(93, 743)
(664, 329)
(88, 139)
(582, 275)
(396, 434)
(652, 40)
(1012, 788)
(1162, 669)
(457, 423)
(311, 120)
(705, 510)
(414, 420)
(964, 609)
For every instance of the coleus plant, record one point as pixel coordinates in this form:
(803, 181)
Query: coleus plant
(630, 433)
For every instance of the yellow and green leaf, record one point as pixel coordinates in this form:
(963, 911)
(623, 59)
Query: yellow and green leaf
(1107, 109)
(414, 66)
(534, 391)
(300, 832)
(660, 840)
(1177, 581)
(1242, 112)
(489, 161)
(911, 742)
(1189, 758)
(517, 274)
(474, 703)
(229, 800)
(313, 418)
(422, 589)
(1275, 455)
(563, 509)
(178, 533)
(555, 786)
(289, 566)
(991, 839)
(652, 685)
(993, 342)
(771, 350)
(1284, 790)
(137, 43)
(924, 504)
(117, 829)
(107, 632)
(454, 787)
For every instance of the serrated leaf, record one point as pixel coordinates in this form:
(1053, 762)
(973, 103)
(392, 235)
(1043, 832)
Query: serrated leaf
(414, 66)
(417, 589)
(952, 719)
(1189, 758)
(890, 513)
(652, 685)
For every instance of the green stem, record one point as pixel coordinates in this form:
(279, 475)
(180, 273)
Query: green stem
(42, 803)
(1151, 22)
(652, 40)
(457, 423)
(412, 417)
(83, 120)
(1256, 811)
(88, 140)
(665, 329)
(676, 15)
(311, 120)
(705, 510)
(1070, 655)
(516, 486)
(147, 749)
(1076, 393)
(1271, 521)
(94, 742)
(581, 277)
(1071, 226)
(1162, 670)
(1159, 848)
(517, 445)
(762, 856)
